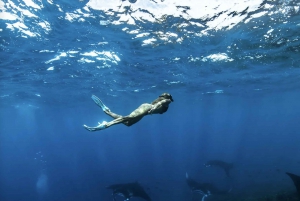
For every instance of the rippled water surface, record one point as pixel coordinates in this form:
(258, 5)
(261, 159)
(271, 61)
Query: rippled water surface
(119, 47)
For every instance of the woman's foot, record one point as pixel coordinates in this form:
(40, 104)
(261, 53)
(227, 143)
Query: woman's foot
(101, 126)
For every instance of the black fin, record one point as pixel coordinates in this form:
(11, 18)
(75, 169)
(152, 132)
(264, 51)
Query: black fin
(296, 180)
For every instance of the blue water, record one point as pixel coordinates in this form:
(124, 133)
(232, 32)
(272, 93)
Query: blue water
(233, 71)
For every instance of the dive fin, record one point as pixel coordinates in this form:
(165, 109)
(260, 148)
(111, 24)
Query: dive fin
(99, 103)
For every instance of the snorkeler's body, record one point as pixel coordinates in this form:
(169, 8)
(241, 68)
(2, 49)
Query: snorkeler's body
(158, 106)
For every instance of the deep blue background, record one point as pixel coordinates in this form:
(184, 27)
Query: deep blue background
(259, 134)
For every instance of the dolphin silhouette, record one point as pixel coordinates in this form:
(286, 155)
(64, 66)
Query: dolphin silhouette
(296, 180)
(221, 164)
(129, 190)
(205, 189)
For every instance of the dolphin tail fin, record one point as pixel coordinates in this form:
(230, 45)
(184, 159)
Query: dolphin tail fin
(296, 180)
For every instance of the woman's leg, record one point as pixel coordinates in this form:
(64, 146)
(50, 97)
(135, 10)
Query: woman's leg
(131, 119)
(104, 124)
(127, 120)
(113, 115)
(120, 120)
(134, 117)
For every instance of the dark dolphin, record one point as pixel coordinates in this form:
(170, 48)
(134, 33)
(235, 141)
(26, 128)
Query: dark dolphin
(221, 164)
(129, 190)
(204, 189)
(296, 180)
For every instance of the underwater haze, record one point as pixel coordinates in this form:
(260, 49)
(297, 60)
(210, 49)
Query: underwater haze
(231, 66)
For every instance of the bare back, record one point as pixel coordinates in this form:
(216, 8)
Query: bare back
(142, 110)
